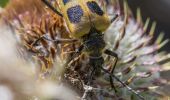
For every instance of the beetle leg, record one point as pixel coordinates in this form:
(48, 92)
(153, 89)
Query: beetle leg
(87, 90)
(58, 40)
(114, 18)
(124, 84)
(108, 52)
(111, 53)
(73, 60)
(52, 8)
(76, 54)
(35, 42)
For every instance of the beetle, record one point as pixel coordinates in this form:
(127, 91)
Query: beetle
(86, 21)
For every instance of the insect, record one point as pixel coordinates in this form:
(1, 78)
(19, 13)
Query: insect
(86, 21)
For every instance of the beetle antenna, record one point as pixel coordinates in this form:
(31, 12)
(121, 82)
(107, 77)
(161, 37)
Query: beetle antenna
(78, 51)
(129, 88)
(51, 7)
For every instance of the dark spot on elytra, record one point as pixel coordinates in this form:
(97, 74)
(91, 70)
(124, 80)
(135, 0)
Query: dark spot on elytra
(75, 13)
(65, 1)
(94, 7)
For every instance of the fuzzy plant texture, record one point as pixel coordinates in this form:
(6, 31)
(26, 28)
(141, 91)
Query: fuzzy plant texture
(35, 65)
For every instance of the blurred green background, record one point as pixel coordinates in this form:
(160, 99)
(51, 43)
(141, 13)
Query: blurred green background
(3, 2)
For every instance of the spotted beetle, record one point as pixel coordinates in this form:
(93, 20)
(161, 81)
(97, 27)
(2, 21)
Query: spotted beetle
(86, 21)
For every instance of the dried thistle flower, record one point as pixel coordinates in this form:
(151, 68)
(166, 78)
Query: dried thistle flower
(19, 79)
(139, 63)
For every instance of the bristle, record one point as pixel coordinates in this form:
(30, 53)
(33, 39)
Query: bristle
(146, 24)
(162, 44)
(128, 69)
(160, 38)
(144, 74)
(139, 46)
(129, 59)
(152, 30)
(130, 80)
(125, 6)
(139, 17)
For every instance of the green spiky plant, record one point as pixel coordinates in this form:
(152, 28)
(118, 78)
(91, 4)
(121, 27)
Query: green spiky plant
(139, 63)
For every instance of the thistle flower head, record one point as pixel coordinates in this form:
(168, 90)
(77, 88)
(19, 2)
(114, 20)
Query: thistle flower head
(139, 60)
(19, 76)
(139, 64)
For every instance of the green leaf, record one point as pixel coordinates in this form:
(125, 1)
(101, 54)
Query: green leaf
(3, 2)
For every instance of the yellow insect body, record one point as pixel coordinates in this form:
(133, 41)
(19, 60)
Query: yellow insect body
(101, 23)
(86, 21)
(83, 15)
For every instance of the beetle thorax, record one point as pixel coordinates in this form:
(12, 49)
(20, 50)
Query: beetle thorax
(94, 43)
